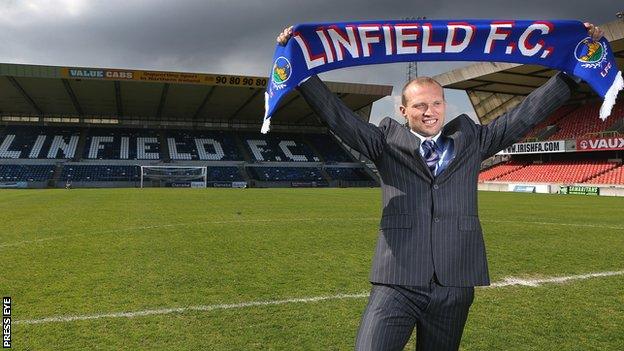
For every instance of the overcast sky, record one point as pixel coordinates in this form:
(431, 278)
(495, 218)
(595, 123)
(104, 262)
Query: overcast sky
(237, 36)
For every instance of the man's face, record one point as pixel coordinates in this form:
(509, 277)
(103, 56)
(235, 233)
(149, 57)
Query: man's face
(424, 108)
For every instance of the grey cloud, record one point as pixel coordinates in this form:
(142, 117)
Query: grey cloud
(235, 37)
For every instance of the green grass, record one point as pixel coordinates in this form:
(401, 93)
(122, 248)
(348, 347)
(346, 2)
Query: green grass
(84, 252)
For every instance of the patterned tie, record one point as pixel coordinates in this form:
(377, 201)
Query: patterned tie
(431, 155)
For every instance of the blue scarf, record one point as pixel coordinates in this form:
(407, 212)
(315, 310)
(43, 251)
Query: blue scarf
(562, 45)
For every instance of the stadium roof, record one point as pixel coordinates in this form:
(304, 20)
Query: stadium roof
(140, 97)
(494, 87)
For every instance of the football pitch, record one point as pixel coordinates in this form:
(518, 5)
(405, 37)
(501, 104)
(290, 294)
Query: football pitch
(287, 269)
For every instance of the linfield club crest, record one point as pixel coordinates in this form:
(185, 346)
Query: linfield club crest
(281, 71)
(590, 53)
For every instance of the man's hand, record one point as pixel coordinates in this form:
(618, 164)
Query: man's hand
(593, 31)
(284, 36)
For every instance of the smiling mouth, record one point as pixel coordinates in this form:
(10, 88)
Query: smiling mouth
(429, 122)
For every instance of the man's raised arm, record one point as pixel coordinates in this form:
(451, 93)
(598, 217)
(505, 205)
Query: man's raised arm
(541, 103)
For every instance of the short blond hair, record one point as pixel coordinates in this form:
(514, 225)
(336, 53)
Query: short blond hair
(420, 81)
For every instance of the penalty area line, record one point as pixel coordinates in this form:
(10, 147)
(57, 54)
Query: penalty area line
(511, 281)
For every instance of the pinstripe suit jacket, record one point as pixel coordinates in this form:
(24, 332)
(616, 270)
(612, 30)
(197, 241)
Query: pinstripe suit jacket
(430, 224)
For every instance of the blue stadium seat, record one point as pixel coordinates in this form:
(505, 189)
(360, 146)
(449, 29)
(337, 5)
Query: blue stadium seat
(30, 173)
(328, 147)
(35, 142)
(203, 145)
(122, 144)
(278, 147)
(228, 174)
(100, 173)
(349, 174)
(286, 173)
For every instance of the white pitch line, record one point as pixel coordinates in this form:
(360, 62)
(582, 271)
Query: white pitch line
(506, 282)
(586, 225)
(535, 282)
(287, 220)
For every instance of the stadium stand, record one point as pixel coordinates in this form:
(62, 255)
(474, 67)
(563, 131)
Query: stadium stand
(26, 173)
(500, 170)
(100, 125)
(89, 155)
(100, 173)
(559, 172)
(551, 121)
(582, 121)
(231, 174)
(286, 173)
(328, 149)
(350, 174)
(566, 123)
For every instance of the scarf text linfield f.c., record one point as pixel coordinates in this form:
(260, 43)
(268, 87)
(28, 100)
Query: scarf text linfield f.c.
(562, 45)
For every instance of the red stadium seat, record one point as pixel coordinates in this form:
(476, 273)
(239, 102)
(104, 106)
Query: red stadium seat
(554, 172)
(575, 121)
(613, 176)
(499, 170)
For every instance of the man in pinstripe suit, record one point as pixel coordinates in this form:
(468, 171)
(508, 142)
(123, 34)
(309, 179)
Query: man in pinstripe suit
(430, 252)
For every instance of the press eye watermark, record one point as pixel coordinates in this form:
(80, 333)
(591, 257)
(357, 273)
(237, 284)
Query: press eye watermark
(6, 322)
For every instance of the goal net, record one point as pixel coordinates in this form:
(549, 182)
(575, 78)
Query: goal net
(174, 176)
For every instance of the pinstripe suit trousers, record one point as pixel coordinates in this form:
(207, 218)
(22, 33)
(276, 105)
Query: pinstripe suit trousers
(439, 314)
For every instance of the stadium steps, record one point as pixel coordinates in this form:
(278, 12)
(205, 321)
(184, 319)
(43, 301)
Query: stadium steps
(164, 147)
(314, 150)
(82, 141)
(372, 172)
(584, 121)
(56, 176)
(243, 171)
(618, 127)
(615, 169)
(325, 174)
(243, 150)
(493, 161)
(547, 132)
(520, 166)
(549, 127)
(353, 153)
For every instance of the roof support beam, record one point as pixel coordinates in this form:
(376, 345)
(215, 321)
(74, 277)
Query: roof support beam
(25, 95)
(478, 86)
(498, 92)
(204, 102)
(73, 97)
(540, 71)
(504, 83)
(487, 115)
(534, 75)
(118, 99)
(484, 100)
(163, 99)
(235, 114)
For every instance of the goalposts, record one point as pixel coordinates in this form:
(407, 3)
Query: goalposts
(191, 176)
